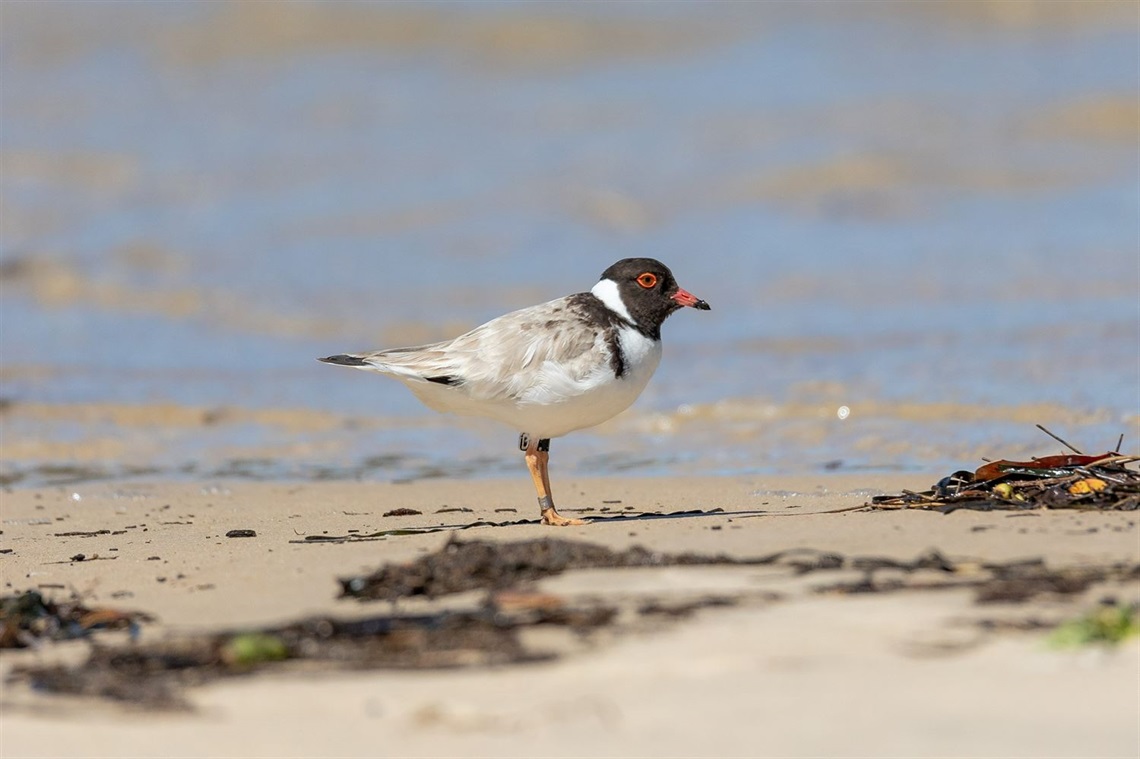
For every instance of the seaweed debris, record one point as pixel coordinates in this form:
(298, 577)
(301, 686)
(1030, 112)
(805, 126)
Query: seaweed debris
(494, 631)
(1109, 624)
(500, 567)
(27, 619)
(153, 675)
(425, 530)
(1103, 482)
(1005, 582)
(480, 564)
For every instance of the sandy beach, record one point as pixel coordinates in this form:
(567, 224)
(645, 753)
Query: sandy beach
(783, 671)
(915, 223)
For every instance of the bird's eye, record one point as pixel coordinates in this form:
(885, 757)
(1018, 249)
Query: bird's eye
(647, 280)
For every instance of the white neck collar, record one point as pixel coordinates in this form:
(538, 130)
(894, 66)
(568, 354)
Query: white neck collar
(607, 292)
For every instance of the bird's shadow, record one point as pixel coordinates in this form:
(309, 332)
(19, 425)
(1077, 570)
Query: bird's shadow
(607, 519)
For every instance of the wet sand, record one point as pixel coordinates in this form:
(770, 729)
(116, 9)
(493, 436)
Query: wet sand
(881, 204)
(785, 671)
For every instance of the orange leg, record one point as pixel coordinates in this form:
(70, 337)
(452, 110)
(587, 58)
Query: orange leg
(537, 460)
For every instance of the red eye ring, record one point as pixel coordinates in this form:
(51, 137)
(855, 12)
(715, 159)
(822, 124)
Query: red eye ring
(647, 280)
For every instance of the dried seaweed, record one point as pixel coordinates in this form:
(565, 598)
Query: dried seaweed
(154, 675)
(1105, 482)
(404, 531)
(1008, 582)
(479, 564)
(490, 632)
(28, 618)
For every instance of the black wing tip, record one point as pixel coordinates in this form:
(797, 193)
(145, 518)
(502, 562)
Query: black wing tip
(343, 359)
(444, 379)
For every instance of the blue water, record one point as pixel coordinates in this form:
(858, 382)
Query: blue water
(888, 206)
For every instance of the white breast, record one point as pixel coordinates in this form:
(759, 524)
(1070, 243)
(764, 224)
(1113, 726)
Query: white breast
(642, 355)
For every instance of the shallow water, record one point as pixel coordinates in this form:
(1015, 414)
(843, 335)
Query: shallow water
(927, 214)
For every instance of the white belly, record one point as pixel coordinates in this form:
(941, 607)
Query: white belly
(548, 413)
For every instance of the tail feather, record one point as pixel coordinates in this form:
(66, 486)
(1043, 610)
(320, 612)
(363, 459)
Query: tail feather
(390, 363)
(344, 359)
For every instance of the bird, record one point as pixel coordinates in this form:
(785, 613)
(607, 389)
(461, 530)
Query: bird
(549, 369)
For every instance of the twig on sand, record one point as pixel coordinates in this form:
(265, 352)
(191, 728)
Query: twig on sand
(1068, 445)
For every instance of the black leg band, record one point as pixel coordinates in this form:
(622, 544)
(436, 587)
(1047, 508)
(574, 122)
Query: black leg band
(524, 443)
(546, 502)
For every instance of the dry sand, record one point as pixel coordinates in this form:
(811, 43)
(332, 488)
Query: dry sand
(902, 674)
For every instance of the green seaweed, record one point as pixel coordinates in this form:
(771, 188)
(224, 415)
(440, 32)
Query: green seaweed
(1110, 624)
